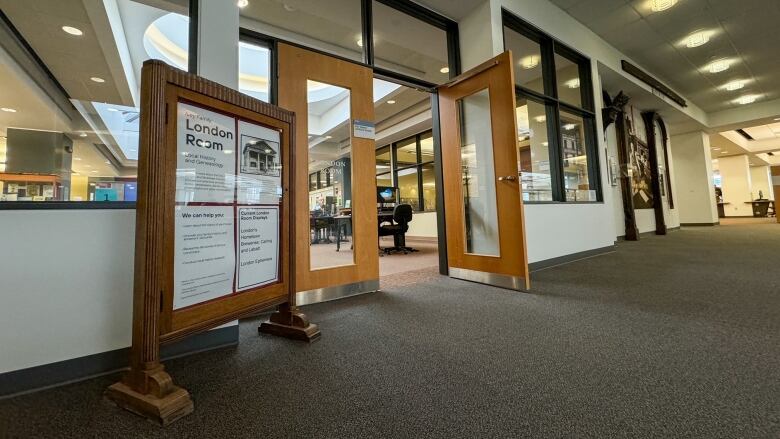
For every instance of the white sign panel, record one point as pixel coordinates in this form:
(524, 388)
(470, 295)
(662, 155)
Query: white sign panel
(259, 158)
(206, 161)
(364, 129)
(258, 246)
(204, 255)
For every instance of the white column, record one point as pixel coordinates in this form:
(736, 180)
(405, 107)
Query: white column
(761, 180)
(695, 194)
(218, 41)
(736, 185)
(218, 47)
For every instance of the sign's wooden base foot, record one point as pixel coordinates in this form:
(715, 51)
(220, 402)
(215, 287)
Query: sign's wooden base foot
(288, 322)
(165, 410)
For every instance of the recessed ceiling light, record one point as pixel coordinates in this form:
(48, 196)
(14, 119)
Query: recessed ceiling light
(719, 66)
(328, 137)
(113, 109)
(734, 85)
(777, 119)
(662, 5)
(94, 172)
(747, 99)
(8, 110)
(574, 83)
(83, 135)
(97, 79)
(243, 3)
(540, 119)
(73, 30)
(724, 152)
(360, 42)
(78, 159)
(697, 39)
(569, 126)
(391, 102)
(529, 62)
(445, 70)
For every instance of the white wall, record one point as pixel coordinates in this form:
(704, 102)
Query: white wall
(67, 284)
(553, 230)
(423, 225)
(695, 193)
(736, 185)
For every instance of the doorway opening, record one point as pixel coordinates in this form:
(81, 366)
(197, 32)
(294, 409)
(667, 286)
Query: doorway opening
(406, 184)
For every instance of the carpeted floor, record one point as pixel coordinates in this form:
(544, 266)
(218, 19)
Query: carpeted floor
(675, 336)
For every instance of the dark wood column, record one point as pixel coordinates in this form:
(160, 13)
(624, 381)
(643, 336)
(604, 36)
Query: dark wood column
(629, 216)
(658, 202)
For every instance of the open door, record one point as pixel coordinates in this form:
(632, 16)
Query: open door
(482, 192)
(335, 174)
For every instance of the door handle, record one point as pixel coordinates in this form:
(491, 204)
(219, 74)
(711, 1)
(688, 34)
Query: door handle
(507, 178)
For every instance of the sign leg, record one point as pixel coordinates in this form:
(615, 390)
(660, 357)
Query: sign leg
(152, 394)
(289, 322)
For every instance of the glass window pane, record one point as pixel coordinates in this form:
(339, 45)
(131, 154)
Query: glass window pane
(385, 180)
(383, 162)
(479, 182)
(86, 149)
(254, 71)
(407, 187)
(533, 152)
(333, 26)
(406, 152)
(409, 46)
(330, 153)
(527, 55)
(429, 187)
(426, 147)
(575, 159)
(567, 74)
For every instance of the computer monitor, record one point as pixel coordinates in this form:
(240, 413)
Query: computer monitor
(386, 194)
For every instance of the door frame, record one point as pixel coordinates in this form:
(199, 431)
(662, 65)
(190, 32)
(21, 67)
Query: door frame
(296, 66)
(509, 268)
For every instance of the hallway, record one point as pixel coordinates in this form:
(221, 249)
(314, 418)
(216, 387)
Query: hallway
(675, 336)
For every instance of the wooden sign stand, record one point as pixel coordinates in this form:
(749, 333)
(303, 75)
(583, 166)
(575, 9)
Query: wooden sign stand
(147, 389)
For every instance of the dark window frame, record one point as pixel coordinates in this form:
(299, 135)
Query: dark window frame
(554, 106)
(418, 166)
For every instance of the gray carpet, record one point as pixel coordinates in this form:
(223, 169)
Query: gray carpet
(675, 336)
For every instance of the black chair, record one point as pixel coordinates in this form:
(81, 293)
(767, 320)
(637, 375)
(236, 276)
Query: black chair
(402, 216)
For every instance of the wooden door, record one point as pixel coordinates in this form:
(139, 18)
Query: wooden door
(482, 192)
(328, 95)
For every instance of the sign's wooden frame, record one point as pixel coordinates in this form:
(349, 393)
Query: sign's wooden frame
(147, 388)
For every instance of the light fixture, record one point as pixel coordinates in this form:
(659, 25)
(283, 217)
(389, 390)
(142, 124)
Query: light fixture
(697, 39)
(72, 31)
(445, 70)
(569, 126)
(734, 85)
(662, 5)
(8, 110)
(360, 42)
(777, 119)
(78, 159)
(540, 119)
(112, 109)
(97, 79)
(529, 62)
(328, 137)
(724, 152)
(747, 99)
(242, 3)
(83, 135)
(391, 102)
(719, 66)
(94, 172)
(574, 83)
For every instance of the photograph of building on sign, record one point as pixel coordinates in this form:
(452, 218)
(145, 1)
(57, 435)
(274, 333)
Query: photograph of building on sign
(259, 156)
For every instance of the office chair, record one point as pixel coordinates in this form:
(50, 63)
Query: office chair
(402, 216)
